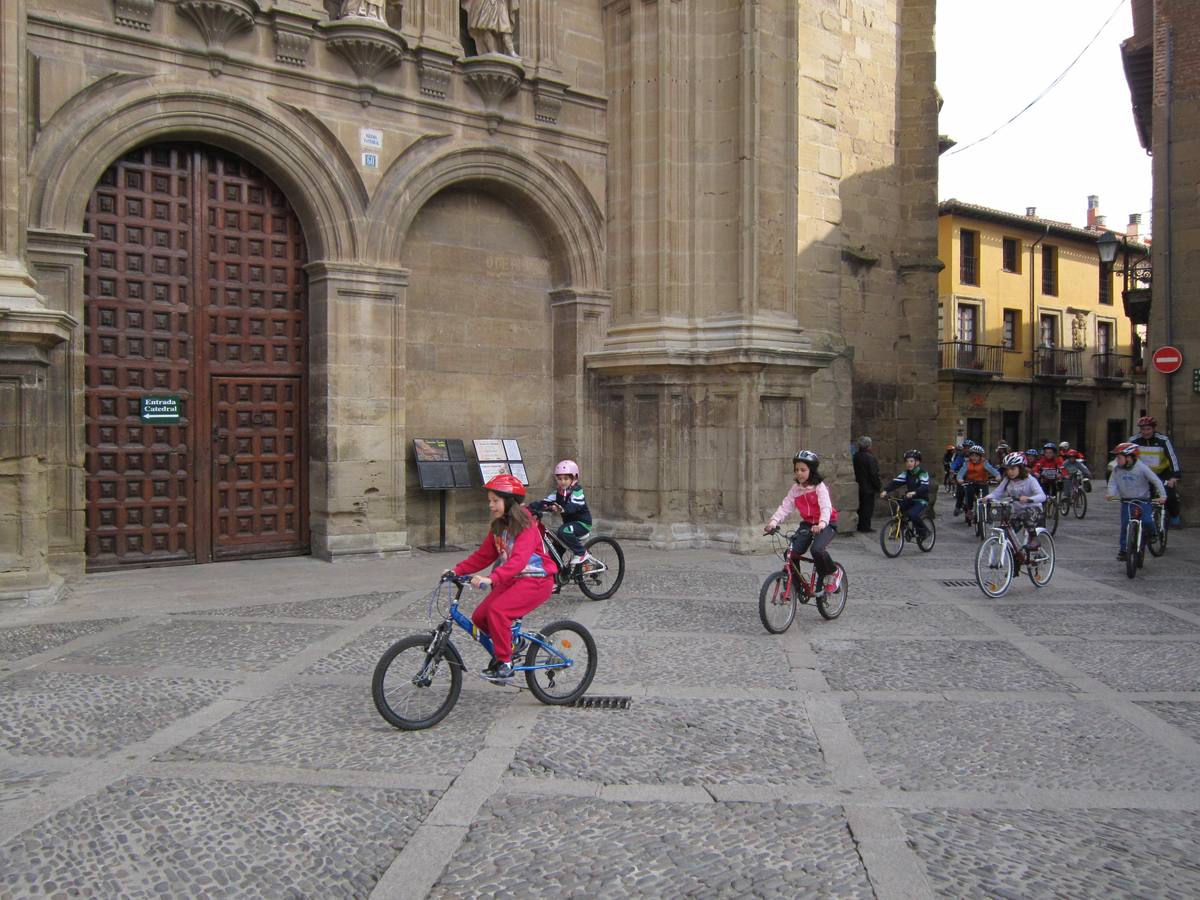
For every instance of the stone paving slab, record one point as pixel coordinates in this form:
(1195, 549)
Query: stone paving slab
(1154, 585)
(360, 656)
(669, 581)
(739, 663)
(1078, 853)
(65, 714)
(1094, 618)
(589, 848)
(927, 665)
(655, 614)
(906, 620)
(338, 727)
(20, 642)
(353, 607)
(1184, 715)
(238, 646)
(677, 742)
(1136, 666)
(20, 786)
(1011, 746)
(146, 837)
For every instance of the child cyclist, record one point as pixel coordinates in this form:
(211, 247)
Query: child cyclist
(1132, 479)
(523, 578)
(1023, 489)
(915, 481)
(973, 478)
(568, 500)
(809, 496)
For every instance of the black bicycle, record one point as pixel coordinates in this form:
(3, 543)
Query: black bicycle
(599, 577)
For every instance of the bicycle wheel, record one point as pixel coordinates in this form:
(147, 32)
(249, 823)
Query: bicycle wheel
(830, 606)
(601, 583)
(926, 543)
(1141, 554)
(1064, 501)
(564, 668)
(891, 537)
(1158, 546)
(980, 515)
(1040, 565)
(1133, 533)
(1051, 511)
(994, 567)
(1079, 504)
(777, 603)
(413, 690)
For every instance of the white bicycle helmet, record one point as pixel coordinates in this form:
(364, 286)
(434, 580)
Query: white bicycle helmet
(1014, 459)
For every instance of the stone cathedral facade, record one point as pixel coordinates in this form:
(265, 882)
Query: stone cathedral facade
(675, 239)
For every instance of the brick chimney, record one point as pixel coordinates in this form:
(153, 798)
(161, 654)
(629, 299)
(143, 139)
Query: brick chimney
(1134, 227)
(1094, 219)
(1031, 211)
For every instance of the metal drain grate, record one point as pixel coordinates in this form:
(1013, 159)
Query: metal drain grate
(598, 702)
(959, 583)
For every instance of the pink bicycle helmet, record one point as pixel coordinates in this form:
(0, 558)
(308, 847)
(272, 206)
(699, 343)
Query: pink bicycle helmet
(567, 467)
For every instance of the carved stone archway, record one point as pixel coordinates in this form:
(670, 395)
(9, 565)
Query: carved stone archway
(99, 126)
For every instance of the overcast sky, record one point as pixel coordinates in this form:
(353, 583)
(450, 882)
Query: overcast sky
(994, 56)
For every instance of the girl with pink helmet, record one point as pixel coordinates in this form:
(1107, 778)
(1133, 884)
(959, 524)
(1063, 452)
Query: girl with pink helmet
(569, 500)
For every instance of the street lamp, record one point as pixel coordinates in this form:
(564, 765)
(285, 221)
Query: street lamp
(1107, 246)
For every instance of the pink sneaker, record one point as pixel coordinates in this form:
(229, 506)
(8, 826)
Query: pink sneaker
(833, 583)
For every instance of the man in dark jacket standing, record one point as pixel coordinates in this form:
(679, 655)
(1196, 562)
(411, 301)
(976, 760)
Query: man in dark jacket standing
(866, 473)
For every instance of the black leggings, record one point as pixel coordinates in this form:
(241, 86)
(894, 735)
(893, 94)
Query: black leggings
(821, 558)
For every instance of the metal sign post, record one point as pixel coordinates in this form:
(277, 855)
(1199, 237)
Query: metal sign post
(441, 466)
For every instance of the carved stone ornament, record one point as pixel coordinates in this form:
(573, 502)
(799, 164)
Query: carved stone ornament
(218, 21)
(368, 45)
(495, 77)
(293, 35)
(435, 70)
(134, 13)
(548, 100)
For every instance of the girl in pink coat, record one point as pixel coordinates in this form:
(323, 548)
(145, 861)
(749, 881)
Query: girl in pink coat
(809, 496)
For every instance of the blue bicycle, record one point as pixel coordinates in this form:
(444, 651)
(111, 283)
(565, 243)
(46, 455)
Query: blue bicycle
(418, 679)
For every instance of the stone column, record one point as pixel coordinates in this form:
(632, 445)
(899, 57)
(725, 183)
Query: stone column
(27, 332)
(580, 320)
(357, 446)
(437, 43)
(58, 260)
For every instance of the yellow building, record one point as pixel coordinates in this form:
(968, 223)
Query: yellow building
(1034, 343)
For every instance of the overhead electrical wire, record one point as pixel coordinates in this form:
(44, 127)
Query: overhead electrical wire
(1047, 90)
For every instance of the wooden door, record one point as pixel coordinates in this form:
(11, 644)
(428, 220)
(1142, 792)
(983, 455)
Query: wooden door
(258, 502)
(195, 277)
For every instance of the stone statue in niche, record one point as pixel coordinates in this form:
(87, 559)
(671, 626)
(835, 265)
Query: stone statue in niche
(362, 9)
(1079, 331)
(490, 24)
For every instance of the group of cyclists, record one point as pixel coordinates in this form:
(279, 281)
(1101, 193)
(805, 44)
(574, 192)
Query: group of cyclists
(1145, 469)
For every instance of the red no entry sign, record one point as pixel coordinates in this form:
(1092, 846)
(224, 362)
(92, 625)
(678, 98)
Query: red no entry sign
(1167, 359)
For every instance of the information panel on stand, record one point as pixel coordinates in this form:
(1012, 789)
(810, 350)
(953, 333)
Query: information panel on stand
(500, 456)
(442, 463)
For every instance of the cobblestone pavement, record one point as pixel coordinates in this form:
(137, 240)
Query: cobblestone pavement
(209, 732)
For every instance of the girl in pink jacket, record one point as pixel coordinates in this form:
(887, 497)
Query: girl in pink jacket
(809, 496)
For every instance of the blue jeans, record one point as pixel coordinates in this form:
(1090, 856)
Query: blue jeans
(1147, 521)
(915, 511)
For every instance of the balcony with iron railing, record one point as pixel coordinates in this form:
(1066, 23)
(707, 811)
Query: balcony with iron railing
(1114, 368)
(966, 358)
(1053, 364)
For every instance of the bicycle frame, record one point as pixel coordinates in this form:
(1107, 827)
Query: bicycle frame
(791, 567)
(455, 616)
(554, 546)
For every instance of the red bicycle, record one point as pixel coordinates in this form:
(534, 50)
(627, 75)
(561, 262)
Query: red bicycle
(795, 583)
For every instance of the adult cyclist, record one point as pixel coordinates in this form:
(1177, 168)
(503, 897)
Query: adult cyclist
(1158, 453)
